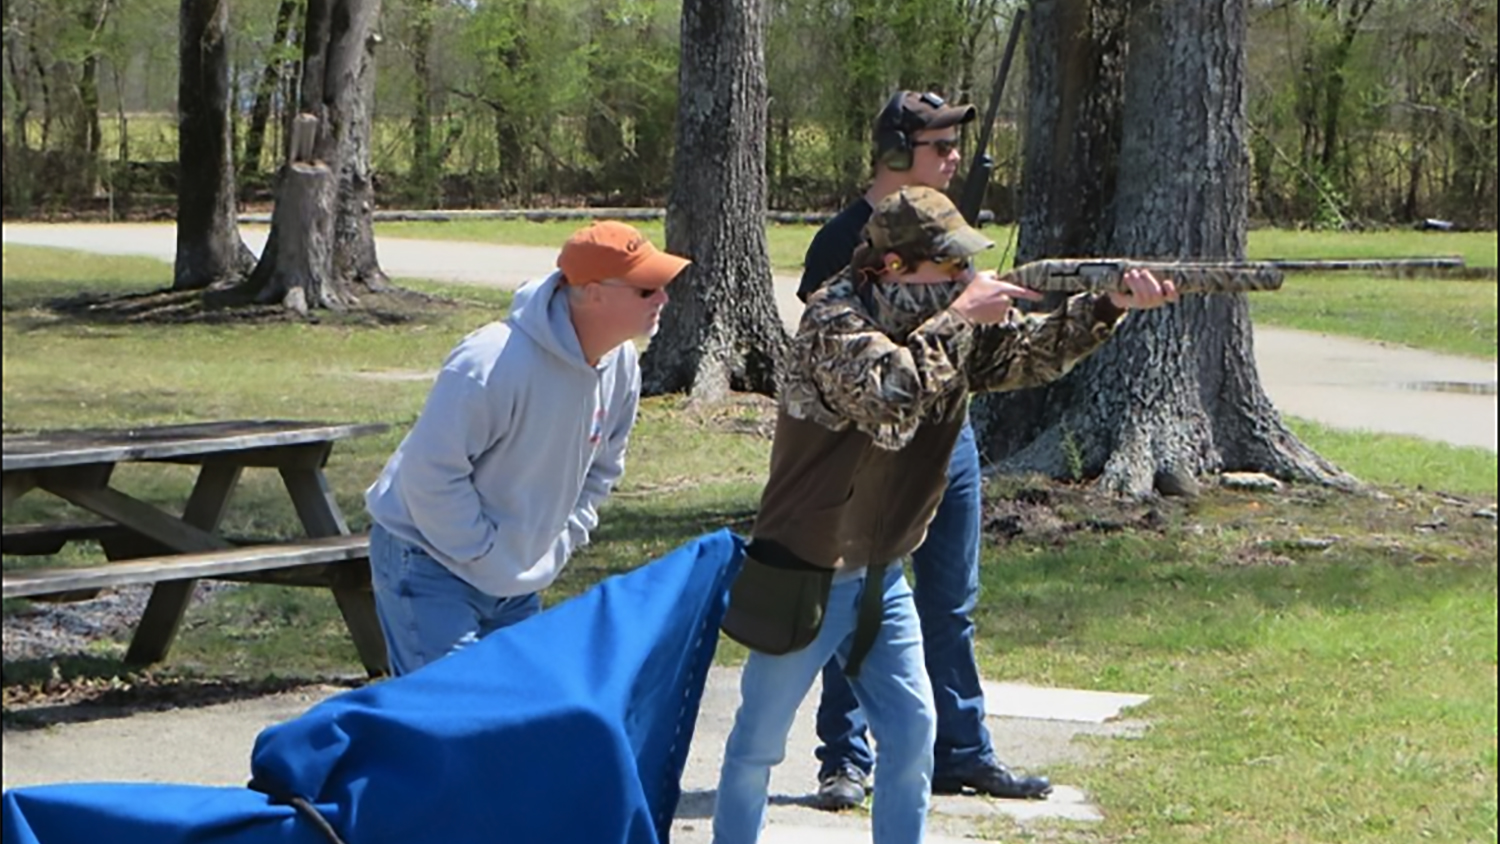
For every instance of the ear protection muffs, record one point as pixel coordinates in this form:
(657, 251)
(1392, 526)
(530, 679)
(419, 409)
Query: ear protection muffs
(892, 145)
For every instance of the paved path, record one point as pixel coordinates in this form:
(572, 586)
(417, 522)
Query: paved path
(1337, 381)
(211, 745)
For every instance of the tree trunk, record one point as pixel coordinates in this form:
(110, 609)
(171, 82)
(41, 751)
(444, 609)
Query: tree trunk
(1159, 171)
(331, 140)
(270, 76)
(209, 249)
(424, 166)
(1474, 128)
(1336, 68)
(721, 330)
(85, 138)
(510, 146)
(19, 159)
(303, 220)
(354, 259)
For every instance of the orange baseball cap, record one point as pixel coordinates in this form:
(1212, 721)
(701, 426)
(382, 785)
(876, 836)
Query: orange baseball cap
(613, 250)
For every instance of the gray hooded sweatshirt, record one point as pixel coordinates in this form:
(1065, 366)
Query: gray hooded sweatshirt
(502, 475)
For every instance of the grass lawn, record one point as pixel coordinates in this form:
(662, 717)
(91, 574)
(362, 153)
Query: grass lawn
(1322, 666)
(1456, 317)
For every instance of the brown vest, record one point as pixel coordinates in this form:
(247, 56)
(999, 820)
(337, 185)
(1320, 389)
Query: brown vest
(836, 500)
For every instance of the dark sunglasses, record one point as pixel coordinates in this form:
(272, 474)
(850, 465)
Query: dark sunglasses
(943, 146)
(951, 264)
(643, 292)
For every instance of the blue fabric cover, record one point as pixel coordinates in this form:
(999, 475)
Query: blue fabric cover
(572, 726)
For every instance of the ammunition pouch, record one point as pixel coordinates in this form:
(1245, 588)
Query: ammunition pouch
(778, 601)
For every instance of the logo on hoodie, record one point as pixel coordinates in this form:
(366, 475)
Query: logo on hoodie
(596, 431)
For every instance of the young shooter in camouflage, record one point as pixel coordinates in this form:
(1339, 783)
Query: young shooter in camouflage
(915, 141)
(884, 361)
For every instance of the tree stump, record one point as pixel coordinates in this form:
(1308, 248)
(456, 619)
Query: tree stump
(303, 220)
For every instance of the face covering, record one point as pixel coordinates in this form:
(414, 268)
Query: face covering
(900, 307)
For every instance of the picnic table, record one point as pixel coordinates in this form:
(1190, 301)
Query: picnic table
(144, 543)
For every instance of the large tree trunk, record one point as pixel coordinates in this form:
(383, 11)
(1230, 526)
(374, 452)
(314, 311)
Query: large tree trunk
(310, 259)
(354, 260)
(1176, 391)
(721, 331)
(209, 249)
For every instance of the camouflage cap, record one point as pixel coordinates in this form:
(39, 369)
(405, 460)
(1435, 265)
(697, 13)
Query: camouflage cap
(919, 220)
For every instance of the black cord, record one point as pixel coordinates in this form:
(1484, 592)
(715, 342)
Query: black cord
(316, 818)
(303, 807)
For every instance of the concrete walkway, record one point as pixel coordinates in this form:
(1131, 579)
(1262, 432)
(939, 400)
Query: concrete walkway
(1341, 382)
(211, 745)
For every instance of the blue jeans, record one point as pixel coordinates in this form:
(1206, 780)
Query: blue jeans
(425, 610)
(947, 588)
(893, 690)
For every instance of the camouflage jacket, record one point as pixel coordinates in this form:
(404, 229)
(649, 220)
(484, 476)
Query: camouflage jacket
(849, 371)
(868, 421)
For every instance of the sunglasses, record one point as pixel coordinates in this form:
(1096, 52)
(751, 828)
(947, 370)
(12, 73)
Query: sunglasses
(943, 146)
(643, 292)
(952, 265)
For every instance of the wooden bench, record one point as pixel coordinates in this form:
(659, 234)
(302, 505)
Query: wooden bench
(340, 563)
(307, 562)
(38, 540)
(171, 549)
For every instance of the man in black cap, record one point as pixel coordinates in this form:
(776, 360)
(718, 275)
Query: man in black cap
(916, 139)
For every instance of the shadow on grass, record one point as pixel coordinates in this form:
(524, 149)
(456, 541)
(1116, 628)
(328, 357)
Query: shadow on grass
(31, 306)
(632, 534)
(651, 521)
(76, 689)
(1063, 564)
(1158, 593)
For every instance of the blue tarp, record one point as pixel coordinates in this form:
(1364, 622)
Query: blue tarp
(573, 726)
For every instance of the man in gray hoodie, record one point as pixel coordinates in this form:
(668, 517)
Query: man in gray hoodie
(520, 441)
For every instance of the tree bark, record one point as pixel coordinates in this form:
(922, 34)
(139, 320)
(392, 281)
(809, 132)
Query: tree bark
(1159, 170)
(355, 263)
(331, 139)
(209, 249)
(721, 331)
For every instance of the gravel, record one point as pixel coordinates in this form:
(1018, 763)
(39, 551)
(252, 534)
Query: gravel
(44, 630)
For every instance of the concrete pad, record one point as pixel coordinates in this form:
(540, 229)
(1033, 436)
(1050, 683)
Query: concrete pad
(1017, 700)
(777, 834)
(211, 745)
(206, 745)
(1065, 803)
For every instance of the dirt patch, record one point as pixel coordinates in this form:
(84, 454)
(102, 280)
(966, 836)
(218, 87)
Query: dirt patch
(1048, 511)
(1255, 528)
(741, 413)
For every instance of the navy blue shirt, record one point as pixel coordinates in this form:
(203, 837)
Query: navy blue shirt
(832, 246)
